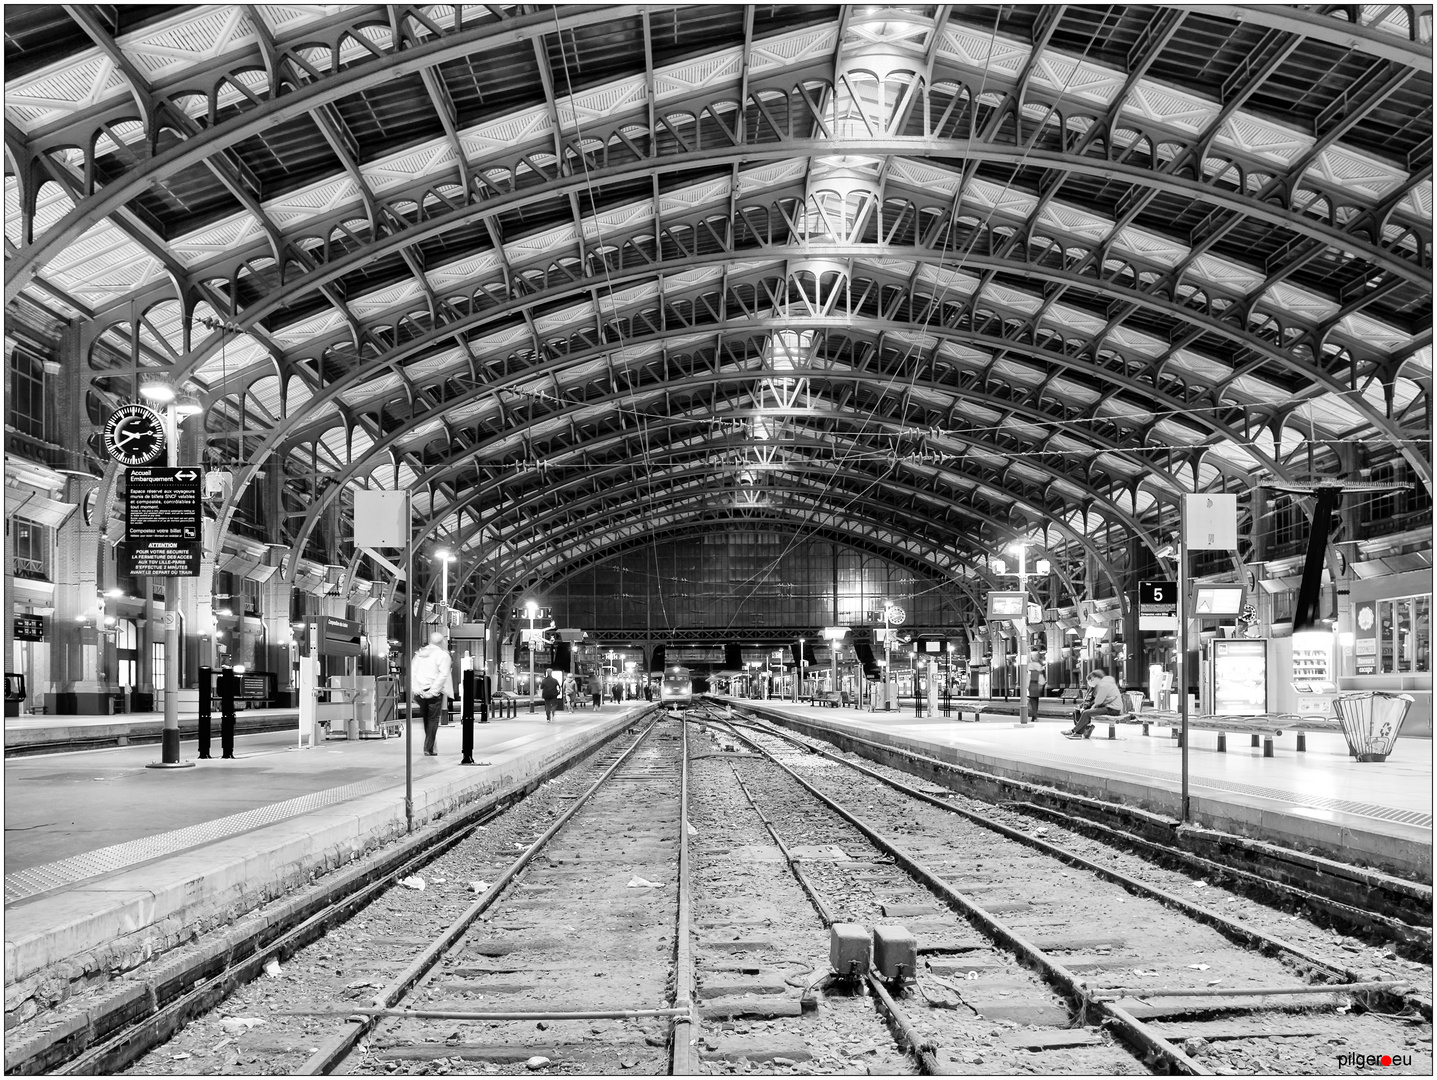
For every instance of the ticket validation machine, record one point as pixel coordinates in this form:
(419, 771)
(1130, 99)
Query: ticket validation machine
(338, 702)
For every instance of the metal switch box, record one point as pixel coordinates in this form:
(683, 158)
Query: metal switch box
(895, 952)
(848, 945)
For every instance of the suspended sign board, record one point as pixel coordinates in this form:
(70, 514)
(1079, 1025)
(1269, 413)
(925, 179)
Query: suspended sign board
(1007, 605)
(696, 654)
(1157, 605)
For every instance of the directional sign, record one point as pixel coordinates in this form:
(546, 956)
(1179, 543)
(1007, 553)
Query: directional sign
(163, 522)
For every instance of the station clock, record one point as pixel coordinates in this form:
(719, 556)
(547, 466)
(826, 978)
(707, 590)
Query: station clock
(134, 435)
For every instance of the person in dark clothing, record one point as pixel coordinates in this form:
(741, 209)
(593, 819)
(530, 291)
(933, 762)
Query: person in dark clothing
(549, 688)
(596, 688)
(1037, 680)
(1107, 701)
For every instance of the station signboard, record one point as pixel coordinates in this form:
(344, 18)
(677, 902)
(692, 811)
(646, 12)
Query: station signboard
(1157, 605)
(29, 628)
(696, 654)
(163, 522)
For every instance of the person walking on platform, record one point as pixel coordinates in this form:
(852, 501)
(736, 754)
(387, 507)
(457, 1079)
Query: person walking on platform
(1107, 701)
(549, 688)
(1037, 681)
(429, 681)
(596, 688)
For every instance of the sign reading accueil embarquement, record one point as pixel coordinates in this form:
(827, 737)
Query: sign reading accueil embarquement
(163, 522)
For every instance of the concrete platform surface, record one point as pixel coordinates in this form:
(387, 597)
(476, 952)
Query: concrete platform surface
(1318, 797)
(100, 849)
(29, 731)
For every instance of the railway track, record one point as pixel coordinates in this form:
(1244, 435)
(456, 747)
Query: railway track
(664, 908)
(1366, 903)
(1176, 985)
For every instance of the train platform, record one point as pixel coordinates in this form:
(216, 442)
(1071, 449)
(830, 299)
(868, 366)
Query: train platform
(47, 733)
(1318, 800)
(108, 861)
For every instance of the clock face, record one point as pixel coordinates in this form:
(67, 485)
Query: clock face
(134, 435)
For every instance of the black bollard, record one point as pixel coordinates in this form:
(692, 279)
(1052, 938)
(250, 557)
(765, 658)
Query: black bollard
(206, 686)
(227, 712)
(481, 690)
(466, 715)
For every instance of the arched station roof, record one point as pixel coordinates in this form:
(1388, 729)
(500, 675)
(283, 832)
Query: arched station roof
(928, 277)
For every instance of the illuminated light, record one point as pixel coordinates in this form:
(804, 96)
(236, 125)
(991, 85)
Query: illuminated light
(188, 405)
(1044, 566)
(114, 593)
(161, 392)
(239, 669)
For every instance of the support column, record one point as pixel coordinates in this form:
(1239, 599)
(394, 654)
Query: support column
(77, 678)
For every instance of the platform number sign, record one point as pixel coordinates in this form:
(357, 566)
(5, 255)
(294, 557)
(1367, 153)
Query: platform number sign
(1157, 605)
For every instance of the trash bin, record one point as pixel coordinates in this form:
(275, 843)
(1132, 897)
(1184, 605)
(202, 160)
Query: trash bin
(1371, 721)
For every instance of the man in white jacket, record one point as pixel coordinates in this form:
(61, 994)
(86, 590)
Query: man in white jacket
(430, 681)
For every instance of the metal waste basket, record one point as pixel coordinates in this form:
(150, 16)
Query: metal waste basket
(1371, 721)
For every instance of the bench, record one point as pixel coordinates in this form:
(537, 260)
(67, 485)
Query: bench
(832, 698)
(1265, 726)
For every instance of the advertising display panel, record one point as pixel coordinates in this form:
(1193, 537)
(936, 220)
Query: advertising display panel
(1239, 676)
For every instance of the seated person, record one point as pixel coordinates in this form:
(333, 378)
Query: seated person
(1106, 700)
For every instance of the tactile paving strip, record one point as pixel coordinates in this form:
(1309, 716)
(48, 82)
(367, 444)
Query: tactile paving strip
(24, 884)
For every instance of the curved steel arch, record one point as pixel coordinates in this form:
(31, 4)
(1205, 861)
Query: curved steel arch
(598, 477)
(1197, 320)
(869, 481)
(747, 375)
(693, 505)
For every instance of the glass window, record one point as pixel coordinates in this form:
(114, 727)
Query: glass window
(157, 665)
(30, 544)
(1404, 635)
(27, 394)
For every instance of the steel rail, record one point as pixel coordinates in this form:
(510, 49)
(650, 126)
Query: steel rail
(1229, 927)
(924, 1051)
(114, 1035)
(1130, 1029)
(1246, 991)
(135, 1040)
(451, 1014)
(683, 1056)
(1398, 929)
(824, 915)
(338, 1046)
(1401, 931)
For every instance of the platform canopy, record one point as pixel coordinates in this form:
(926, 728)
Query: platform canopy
(922, 279)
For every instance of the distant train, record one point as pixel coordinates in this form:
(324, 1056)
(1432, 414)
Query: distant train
(677, 688)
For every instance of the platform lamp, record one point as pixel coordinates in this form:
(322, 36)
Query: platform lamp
(798, 672)
(834, 635)
(162, 392)
(531, 609)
